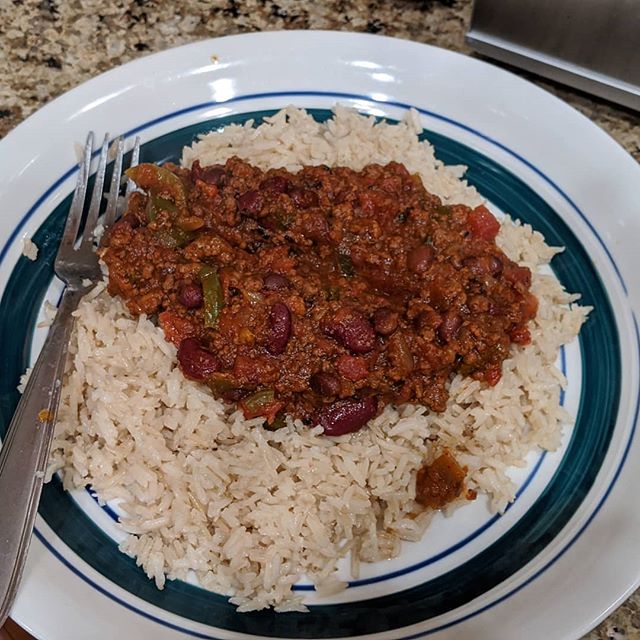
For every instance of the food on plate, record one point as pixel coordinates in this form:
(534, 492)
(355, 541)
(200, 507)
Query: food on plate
(323, 294)
(239, 480)
(29, 248)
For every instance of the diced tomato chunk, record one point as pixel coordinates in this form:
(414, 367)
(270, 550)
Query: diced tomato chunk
(269, 411)
(249, 370)
(175, 328)
(492, 375)
(520, 335)
(529, 306)
(483, 224)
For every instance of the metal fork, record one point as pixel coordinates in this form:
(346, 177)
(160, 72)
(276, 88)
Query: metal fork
(25, 451)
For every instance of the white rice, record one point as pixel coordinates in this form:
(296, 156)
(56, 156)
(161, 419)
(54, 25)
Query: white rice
(29, 249)
(251, 511)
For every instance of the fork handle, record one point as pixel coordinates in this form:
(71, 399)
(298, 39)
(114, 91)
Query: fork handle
(25, 451)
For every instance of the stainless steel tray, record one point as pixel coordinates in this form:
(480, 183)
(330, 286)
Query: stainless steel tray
(592, 45)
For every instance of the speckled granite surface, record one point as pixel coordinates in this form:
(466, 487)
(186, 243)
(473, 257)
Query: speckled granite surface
(49, 46)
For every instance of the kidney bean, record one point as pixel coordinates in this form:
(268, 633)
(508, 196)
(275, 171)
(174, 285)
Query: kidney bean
(278, 184)
(190, 295)
(353, 331)
(250, 203)
(304, 198)
(358, 335)
(449, 327)
(195, 361)
(279, 328)
(483, 265)
(233, 395)
(325, 384)
(276, 282)
(215, 174)
(347, 416)
(385, 321)
(420, 258)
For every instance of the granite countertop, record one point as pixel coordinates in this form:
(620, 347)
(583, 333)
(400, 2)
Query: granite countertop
(50, 46)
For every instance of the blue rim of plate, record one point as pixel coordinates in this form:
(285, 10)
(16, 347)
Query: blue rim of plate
(599, 343)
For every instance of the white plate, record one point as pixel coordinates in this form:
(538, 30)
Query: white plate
(531, 154)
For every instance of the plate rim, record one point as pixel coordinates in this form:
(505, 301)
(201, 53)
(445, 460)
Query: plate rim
(144, 59)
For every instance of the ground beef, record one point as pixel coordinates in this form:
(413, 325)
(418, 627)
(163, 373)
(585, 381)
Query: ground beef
(324, 294)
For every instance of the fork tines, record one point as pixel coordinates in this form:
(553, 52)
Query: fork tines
(76, 261)
(115, 149)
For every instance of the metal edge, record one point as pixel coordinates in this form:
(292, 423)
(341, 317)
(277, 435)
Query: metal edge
(556, 69)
